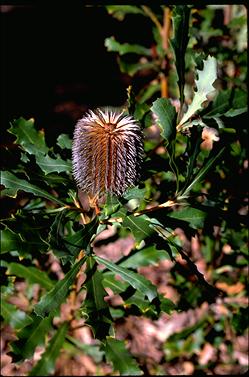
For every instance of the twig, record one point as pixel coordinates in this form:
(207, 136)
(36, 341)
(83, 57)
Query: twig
(165, 44)
(153, 17)
(169, 203)
(77, 204)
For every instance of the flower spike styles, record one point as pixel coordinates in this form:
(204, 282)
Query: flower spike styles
(107, 152)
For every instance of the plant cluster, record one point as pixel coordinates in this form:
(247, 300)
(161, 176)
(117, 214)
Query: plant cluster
(192, 111)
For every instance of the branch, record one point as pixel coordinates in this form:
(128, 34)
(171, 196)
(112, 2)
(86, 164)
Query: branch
(153, 17)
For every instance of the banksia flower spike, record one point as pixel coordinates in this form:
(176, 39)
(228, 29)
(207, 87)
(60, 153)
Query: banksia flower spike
(107, 152)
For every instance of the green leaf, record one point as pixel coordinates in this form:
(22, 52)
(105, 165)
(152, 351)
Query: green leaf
(13, 185)
(26, 233)
(200, 175)
(112, 45)
(238, 321)
(95, 307)
(240, 98)
(145, 257)
(89, 349)
(120, 11)
(221, 104)
(50, 165)
(31, 140)
(235, 112)
(166, 305)
(120, 358)
(138, 299)
(14, 317)
(30, 337)
(134, 193)
(31, 274)
(132, 68)
(9, 241)
(46, 364)
(111, 205)
(166, 114)
(146, 93)
(67, 248)
(64, 141)
(81, 239)
(195, 217)
(230, 102)
(204, 85)
(135, 280)
(139, 226)
(54, 298)
(180, 19)
(110, 281)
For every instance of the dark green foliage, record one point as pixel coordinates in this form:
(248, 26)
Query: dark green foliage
(183, 186)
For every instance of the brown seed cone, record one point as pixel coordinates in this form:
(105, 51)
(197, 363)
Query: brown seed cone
(107, 152)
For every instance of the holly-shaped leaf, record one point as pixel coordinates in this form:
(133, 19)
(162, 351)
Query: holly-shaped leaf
(166, 116)
(31, 140)
(204, 85)
(13, 185)
(120, 358)
(46, 364)
(54, 298)
(50, 165)
(137, 281)
(95, 307)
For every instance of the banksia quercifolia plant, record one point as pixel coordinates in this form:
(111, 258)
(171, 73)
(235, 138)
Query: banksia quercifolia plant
(107, 152)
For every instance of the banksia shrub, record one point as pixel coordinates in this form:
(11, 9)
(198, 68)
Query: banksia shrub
(107, 152)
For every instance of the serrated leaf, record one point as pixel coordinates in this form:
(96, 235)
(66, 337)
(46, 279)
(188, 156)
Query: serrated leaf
(50, 165)
(82, 238)
(145, 257)
(67, 248)
(95, 307)
(166, 114)
(120, 358)
(135, 280)
(30, 337)
(25, 233)
(204, 85)
(117, 286)
(195, 217)
(125, 48)
(89, 349)
(200, 175)
(64, 141)
(134, 193)
(14, 317)
(31, 274)
(31, 140)
(13, 185)
(180, 20)
(111, 205)
(221, 104)
(230, 102)
(139, 226)
(54, 298)
(45, 366)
